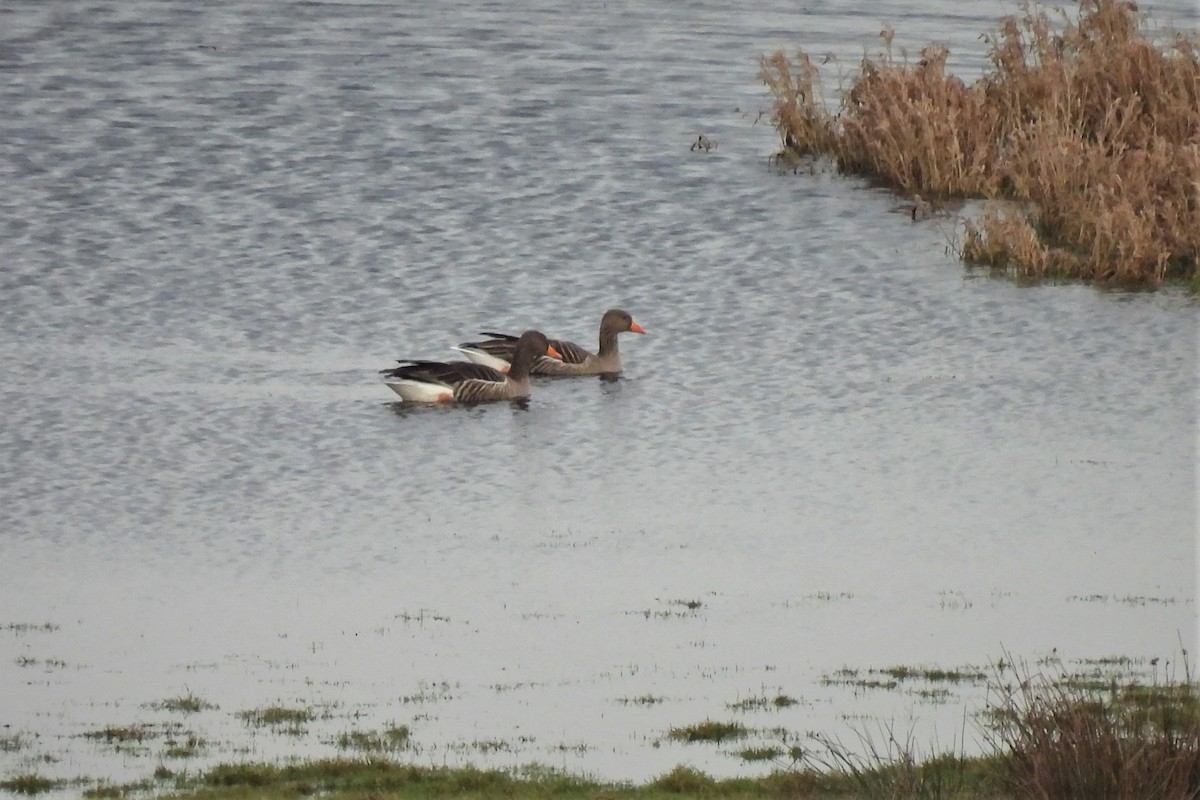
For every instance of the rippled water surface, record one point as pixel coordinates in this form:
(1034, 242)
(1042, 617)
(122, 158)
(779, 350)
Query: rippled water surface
(836, 449)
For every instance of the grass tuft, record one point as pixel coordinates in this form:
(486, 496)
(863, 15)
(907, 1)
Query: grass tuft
(184, 704)
(708, 731)
(1063, 738)
(30, 784)
(935, 674)
(760, 753)
(277, 716)
(393, 738)
(685, 781)
(894, 767)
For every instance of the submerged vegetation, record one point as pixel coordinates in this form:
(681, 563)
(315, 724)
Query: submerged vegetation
(1050, 738)
(759, 703)
(1087, 730)
(1087, 131)
(29, 783)
(184, 704)
(277, 716)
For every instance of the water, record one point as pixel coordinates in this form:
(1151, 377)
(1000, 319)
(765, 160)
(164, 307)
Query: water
(847, 450)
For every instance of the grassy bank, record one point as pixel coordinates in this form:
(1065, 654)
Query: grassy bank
(1072, 734)
(1088, 129)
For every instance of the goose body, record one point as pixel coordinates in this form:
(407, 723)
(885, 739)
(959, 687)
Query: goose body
(498, 351)
(467, 382)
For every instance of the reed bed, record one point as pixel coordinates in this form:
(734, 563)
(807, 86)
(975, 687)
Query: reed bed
(1063, 738)
(1085, 131)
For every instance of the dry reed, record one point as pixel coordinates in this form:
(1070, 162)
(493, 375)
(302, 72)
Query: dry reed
(1088, 128)
(1051, 736)
(1062, 738)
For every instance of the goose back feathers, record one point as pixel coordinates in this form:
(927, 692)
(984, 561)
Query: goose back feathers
(498, 351)
(468, 382)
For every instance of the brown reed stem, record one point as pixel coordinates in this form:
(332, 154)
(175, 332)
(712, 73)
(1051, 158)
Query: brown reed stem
(1089, 129)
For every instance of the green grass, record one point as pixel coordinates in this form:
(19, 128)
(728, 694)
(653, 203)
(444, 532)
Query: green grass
(889, 678)
(277, 716)
(760, 753)
(183, 704)
(371, 777)
(186, 703)
(357, 779)
(1089, 729)
(1045, 736)
(935, 675)
(30, 784)
(708, 731)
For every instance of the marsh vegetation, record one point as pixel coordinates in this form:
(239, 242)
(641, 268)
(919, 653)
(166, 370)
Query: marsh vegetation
(1081, 730)
(1086, 129)
(1066, 731)
(187, 703)
(1112, 725)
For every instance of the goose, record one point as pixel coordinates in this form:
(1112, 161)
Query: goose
(468, 382)
(575, 360)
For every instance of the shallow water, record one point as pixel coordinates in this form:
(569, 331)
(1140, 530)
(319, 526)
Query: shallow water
(847, 450)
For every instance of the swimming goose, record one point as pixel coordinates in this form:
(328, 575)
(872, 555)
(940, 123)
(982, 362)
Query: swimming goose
(467, 382)
(497, 351)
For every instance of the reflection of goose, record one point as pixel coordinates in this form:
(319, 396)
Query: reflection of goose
(703, 143)
(498, 351)
(466, 382)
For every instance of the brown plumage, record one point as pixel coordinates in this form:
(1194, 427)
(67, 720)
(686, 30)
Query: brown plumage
(575, 360)
(467, 382)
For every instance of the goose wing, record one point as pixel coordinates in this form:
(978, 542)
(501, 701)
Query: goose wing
(571, 353)
(501, 345)
(449, 373)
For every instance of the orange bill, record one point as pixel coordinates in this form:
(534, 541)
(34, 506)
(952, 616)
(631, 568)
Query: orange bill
(550, 351)
(633, 326)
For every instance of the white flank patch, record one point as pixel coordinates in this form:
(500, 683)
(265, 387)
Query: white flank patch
(480, 357)
(421, 392)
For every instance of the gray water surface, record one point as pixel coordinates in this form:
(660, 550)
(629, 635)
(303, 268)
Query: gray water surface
(835, 449)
